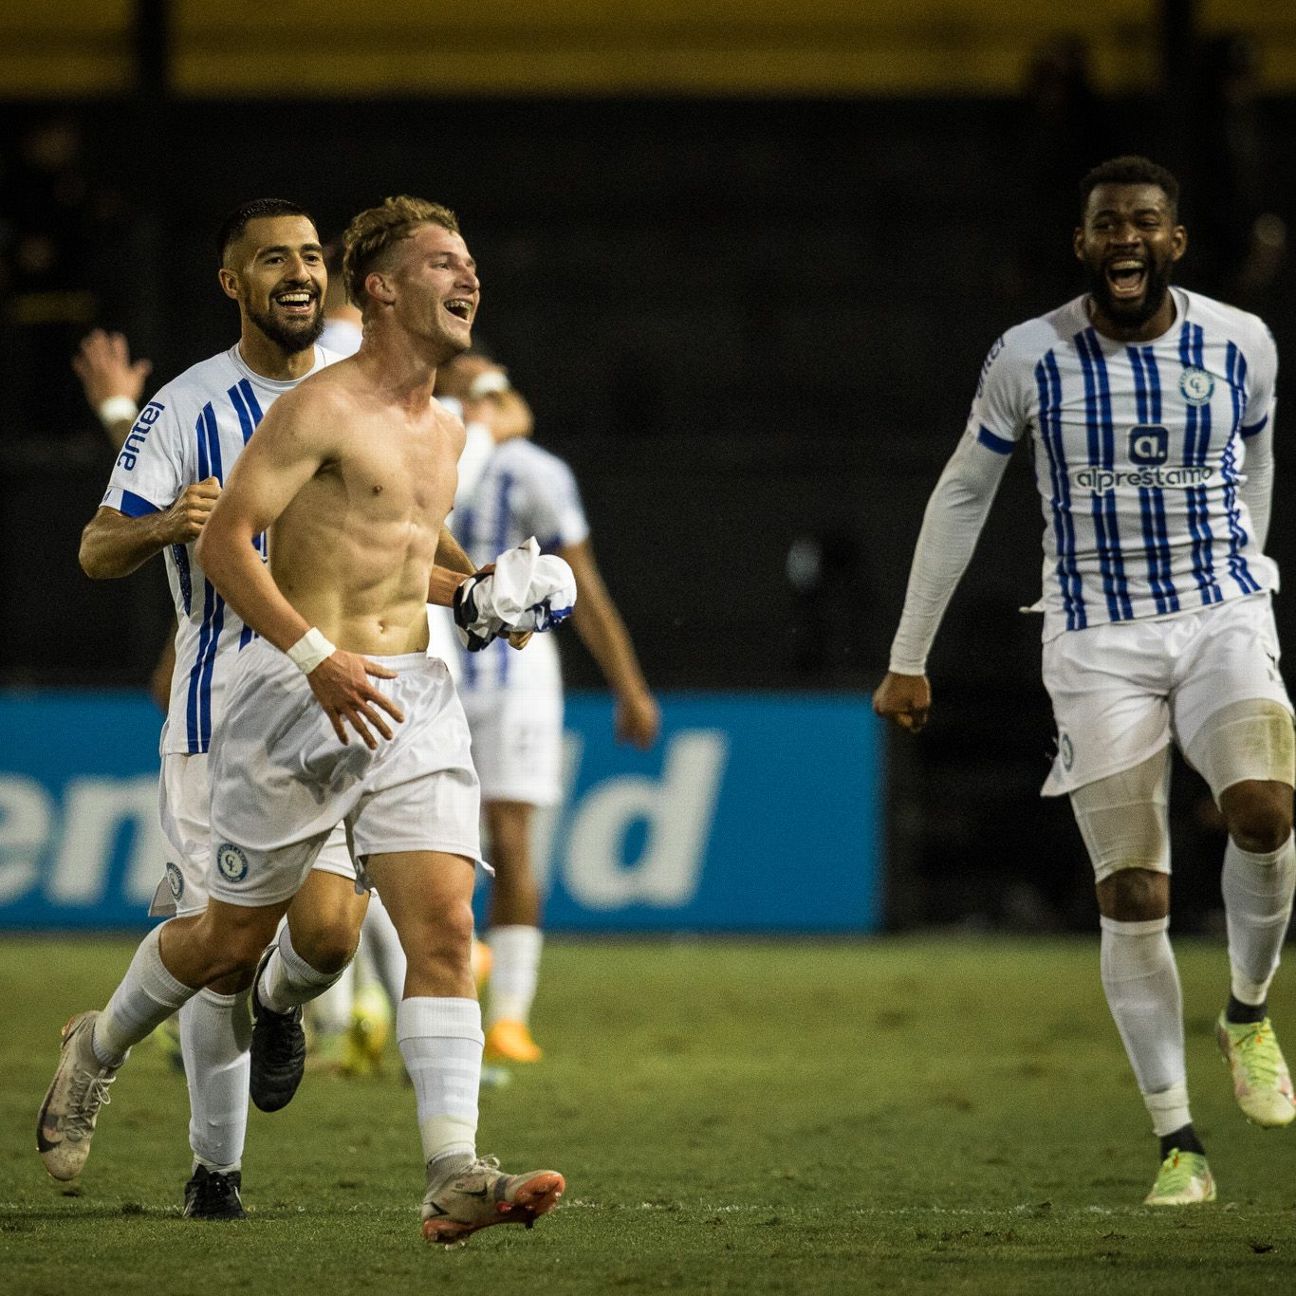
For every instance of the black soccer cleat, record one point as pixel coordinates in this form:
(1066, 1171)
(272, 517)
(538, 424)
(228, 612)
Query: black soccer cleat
(278, 1050)
(214, 1196)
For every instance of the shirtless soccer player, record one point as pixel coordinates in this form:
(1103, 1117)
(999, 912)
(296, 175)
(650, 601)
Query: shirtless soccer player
(1150, 412)
(164, 485)
(352, 474)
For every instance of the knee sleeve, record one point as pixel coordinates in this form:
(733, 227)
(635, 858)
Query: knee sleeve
(1123, 820)
(1247, 740)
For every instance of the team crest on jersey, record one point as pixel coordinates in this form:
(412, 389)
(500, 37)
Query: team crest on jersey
(231, 861)
(1149, 443)
(1066, 751)
(1196, 385)
(175, 880)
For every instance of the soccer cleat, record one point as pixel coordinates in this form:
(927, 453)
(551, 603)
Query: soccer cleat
(1262, 1084)
(214, 1196)
(278, 1050)
(510, 1041)
(1183, 1180)
(483, 1195)
(66, 1123)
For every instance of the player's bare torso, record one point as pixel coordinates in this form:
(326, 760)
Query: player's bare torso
(354, 548)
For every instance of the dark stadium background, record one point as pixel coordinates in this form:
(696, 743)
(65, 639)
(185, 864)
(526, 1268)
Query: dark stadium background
(751, 322)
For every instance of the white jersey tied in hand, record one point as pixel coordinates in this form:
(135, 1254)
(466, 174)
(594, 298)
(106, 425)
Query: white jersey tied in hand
(527, 591)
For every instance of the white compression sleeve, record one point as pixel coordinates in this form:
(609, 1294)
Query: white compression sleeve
(955, 514)
(1257, 489)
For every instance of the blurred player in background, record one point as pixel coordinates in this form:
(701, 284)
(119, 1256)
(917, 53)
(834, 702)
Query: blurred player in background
(173, 460)
(355, 472)
(514, 701)
(1144, 404)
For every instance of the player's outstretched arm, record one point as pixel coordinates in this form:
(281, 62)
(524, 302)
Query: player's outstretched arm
(112, 383)
(604, 633)
(114, 545)
(290, 445)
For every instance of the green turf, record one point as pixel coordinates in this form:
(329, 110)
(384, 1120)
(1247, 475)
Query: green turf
(908, 1116)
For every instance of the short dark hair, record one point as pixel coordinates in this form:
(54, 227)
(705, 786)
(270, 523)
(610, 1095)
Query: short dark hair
(1130, 169)
(237, 221)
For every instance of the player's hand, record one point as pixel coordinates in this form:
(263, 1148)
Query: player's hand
(186, 517)
(103, 364)
(341, 685)
(906, 699)
(638, 720)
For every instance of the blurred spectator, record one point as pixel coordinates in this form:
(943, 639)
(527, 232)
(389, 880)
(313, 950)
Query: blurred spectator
(1067, 129)
(1239, 243)
(51, 221)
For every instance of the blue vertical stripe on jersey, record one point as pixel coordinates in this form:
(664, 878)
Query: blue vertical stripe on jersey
(250, 396)
(1107, 540)
(1195, 437)
(1049, 386)
(465, 522)
(244, 414)
(1108, 441)
(198, 715)
(1235, 366)
(200, 435)
(1152, 373)
(502, 527)
(1147, 393)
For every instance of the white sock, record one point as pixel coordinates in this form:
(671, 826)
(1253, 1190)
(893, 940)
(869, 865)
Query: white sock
(331, 1011)
(441, 1041)
(1257, 905)
(215, 1031)
(515, 968)
(383, 947)
(147, 995)
(288, 980)
(1142, 986)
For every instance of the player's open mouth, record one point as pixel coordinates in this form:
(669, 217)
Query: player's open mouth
(296, 303)
(1126, 277)
(460, 308)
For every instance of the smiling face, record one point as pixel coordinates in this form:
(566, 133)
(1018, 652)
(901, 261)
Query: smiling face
(275, 270)
(432, 289)
(1128, 245)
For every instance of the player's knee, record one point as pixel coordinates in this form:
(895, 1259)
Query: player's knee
(329, 949)
(442, 941)
(1134, 895)
(1258, 815)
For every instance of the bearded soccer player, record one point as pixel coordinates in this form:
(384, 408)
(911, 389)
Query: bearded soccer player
(1150, 410)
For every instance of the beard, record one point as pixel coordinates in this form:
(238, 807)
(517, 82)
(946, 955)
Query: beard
(1130, 314)
(291, 336)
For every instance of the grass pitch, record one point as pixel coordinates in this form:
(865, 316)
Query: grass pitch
(900, 1116)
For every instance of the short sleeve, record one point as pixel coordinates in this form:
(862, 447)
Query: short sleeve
(1000, 411)
(554, 513)
(1261, 385)
(150, 472)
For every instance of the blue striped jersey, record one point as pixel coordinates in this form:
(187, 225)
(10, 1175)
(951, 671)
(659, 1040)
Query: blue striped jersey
(1139, 454)
(522, 491)
(195, 428)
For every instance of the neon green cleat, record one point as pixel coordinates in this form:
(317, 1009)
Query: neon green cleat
(1183, 1180)
(1262, 1084)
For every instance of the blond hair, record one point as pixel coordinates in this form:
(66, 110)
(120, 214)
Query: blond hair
(376, 229)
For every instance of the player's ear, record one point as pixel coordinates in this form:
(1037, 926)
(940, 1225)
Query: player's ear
(1077, 243)
(1178, 242)
(229, 282)
(379, 287)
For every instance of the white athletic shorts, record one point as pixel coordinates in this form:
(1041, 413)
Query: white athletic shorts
(184, 796)
(517, 743)
(1121, 692)
(281, 779)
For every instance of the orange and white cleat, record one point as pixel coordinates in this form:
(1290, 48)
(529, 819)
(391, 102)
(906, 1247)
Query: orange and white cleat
(482, 1196)
(510, 1041)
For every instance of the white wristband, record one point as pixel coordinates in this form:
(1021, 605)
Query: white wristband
(116, 409)
(310, 650)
